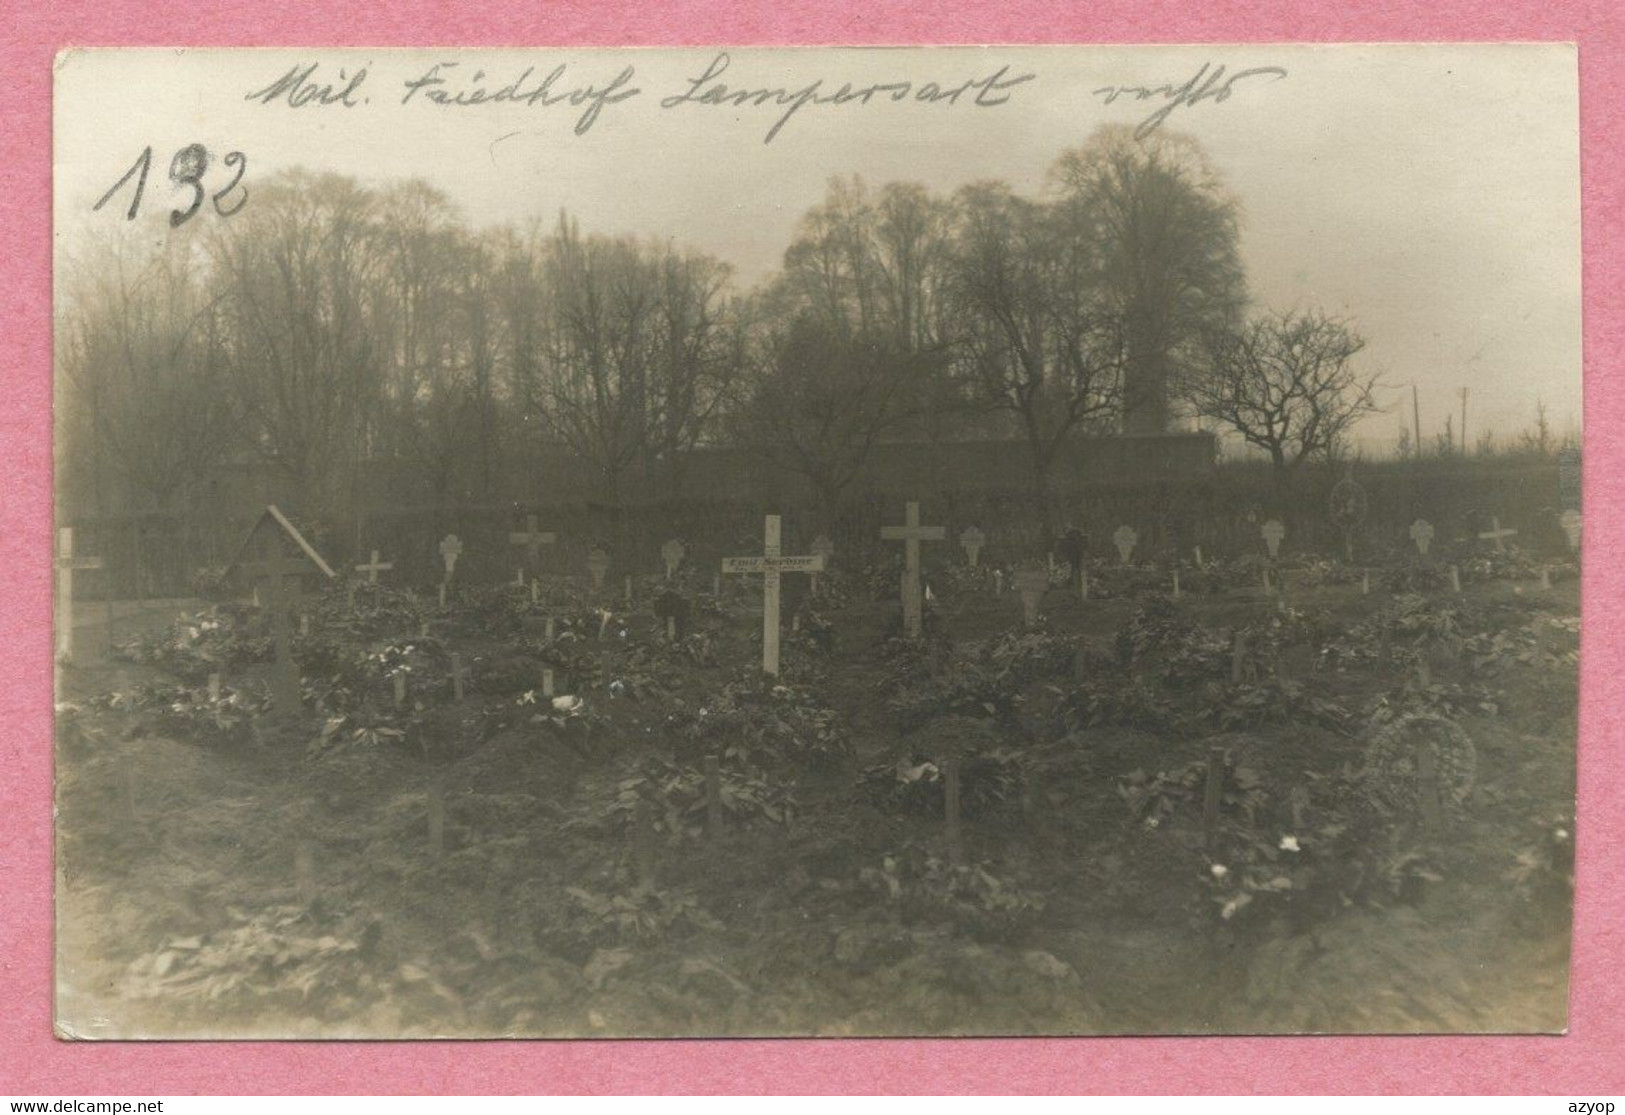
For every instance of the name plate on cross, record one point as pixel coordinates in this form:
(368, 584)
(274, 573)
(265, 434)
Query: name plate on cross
(771, 564)
(811, 563)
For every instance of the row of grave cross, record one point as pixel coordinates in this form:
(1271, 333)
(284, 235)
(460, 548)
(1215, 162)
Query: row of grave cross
(911, 533)
(280, 573)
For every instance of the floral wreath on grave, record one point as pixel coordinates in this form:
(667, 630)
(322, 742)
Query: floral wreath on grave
(1391, 763)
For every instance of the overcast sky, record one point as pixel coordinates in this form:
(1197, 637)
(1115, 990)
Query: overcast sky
(1430, 193)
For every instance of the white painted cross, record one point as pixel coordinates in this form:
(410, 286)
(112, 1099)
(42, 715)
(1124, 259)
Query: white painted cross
(532, 539)
(374, 567)
(1497, 533)
(771, 565)
(1422, 535)
(597, 565)
(1570, 521)
(972, 539)
(673, 553)
(66, 563)
(911, 534)
(1125, 539)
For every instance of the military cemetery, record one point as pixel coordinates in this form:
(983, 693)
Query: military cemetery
(548, 631)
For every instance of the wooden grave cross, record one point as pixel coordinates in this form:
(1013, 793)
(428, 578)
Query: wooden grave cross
(1032, 584)
(597, 566)
(66, 563)
(673, 553)
(532, 538)
(1497, 534)
(971, 540)
(911, 534)
(1125, 539)
(771, 565)
(1273, 531)
(1422, 535)
(280, 597)
(374, 567)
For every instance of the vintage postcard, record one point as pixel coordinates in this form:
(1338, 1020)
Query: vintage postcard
(771, 542)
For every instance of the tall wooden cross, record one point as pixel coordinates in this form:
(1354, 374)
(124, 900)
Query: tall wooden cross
(280, 596)
(771, 565)
(374, 567)
(1497, 534)
(66, 563)
(911, 534)
(532, 539)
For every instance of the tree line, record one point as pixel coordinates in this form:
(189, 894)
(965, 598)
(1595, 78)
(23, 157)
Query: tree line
(332, 323)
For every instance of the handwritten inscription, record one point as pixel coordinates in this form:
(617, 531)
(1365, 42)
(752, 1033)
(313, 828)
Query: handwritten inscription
(299, 88)
(1209, 84)
(990, 91)
(449, 84)
(441, 87)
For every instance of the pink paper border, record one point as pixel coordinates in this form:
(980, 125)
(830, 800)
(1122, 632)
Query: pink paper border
(32, 1061)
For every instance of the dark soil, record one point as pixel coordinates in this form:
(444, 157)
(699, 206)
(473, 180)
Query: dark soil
(185, 908)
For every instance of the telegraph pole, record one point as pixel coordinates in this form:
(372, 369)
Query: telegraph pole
(1416, 420)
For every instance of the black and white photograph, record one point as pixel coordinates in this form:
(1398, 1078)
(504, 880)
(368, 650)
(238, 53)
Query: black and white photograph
(780, 542)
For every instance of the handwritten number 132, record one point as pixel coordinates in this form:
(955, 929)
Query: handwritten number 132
(185, 169)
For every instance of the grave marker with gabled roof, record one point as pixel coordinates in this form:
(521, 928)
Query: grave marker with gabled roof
(269, 536)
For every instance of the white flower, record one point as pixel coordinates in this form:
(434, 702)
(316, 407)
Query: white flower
(1289, 843)
(1219, 870)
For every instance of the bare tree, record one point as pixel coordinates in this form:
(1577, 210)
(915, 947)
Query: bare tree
(295, 271)
(1165, 231)
(819, 403)
(143, 349)
(1033, 341)
(1287, 384)
(694, 360)
(602, 329)
(427, 325)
